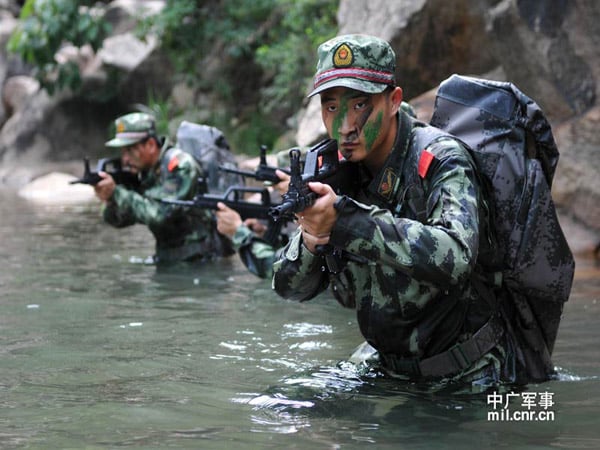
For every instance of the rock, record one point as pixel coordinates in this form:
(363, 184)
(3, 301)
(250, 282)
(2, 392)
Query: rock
(576, 187)
(50, 130)
(17, 91)
(310, 127)
(123, 15)
(125, 51)
(9, 23)
(54, 188)
(378, 17)
(536, 49)
(549, 48)
(582, 239)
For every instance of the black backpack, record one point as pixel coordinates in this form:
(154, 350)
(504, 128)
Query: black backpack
(512, 145)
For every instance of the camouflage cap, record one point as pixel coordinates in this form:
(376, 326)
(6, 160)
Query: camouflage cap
(356, 61)
(132, 128)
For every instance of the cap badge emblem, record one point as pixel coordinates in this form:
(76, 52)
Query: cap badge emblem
(343, 56)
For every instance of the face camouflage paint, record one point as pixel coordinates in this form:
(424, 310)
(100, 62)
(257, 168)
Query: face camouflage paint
(372, 129)
(339, 119)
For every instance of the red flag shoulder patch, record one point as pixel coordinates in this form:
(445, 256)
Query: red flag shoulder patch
(173, 163)
(424, 162)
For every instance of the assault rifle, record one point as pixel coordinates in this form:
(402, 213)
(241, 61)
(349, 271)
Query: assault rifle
(234, 199)
(263, 172)
(322, 164)
(114, 168)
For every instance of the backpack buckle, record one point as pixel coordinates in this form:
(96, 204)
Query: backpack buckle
(459, 357)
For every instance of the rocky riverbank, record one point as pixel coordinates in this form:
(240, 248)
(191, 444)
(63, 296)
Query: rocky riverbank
(548, 48)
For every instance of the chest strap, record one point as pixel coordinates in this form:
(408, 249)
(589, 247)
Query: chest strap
(454, 360)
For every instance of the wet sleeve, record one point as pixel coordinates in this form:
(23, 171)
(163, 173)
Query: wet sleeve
(256, 254)
(441, 251)
(117, 217)
(297, 273)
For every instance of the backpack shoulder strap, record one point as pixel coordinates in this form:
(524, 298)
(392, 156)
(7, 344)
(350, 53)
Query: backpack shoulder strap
(422, 159)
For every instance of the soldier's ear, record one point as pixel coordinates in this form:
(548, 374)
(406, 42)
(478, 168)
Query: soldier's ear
(396, 98)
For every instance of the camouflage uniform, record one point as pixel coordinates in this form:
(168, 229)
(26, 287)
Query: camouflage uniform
(406, 263)
(256, 254)
(180, 236)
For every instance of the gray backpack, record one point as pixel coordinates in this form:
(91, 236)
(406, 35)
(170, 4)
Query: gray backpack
(209, 147)
(512, 144)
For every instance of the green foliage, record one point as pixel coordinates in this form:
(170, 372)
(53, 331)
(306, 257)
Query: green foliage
(47, 25)
(247, 137)
(265, 51)
(269, 46)
(160, 109)
(279, 35)
(289, 52)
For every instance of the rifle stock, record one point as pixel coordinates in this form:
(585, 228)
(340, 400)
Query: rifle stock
(233, 198)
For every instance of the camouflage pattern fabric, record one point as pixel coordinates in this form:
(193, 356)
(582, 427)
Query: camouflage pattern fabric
(408, 279)
(257, 255)
(360, 62)
(179, 235)
(511, 141)
(132, 128)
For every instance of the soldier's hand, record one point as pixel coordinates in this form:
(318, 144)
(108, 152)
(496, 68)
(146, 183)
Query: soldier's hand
(256, 226)
(283, 185)
(228, 220)
(105, 187)
(317, 220)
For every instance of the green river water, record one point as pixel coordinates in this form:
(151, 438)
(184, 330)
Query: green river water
(98, 350)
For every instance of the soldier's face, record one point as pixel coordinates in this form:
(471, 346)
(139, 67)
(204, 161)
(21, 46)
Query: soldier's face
(136, 155)
(361, 123)
(131, 155)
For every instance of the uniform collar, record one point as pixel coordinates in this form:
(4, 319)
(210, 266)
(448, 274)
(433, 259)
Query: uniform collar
(386, 182)
(163, 150)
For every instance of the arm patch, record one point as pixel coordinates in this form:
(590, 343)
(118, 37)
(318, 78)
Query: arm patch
(424, 162)
(173, 164)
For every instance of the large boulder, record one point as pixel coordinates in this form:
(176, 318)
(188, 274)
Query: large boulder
(549, 48)
(56, 188)
(431, 38)
(537, 44)
(38, 131)
(62, 129)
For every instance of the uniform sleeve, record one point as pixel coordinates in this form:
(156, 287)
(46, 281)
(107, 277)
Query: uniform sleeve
(177, 182)
(257, 255)
(441, 251)
(297, 273)
(117, 217)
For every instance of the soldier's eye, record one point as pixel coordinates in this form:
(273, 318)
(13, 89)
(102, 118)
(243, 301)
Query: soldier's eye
(360, 105)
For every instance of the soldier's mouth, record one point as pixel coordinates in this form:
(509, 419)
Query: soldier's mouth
(347, 148)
